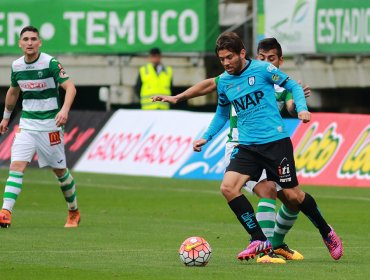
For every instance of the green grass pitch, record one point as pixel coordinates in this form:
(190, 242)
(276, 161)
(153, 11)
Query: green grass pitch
(132, 228)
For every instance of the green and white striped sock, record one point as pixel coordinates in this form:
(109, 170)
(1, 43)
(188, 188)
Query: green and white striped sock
(266, 216)
(285, 219)
(13, 188)
(68, 187)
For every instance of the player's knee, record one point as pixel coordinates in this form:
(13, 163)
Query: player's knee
(265, 189)
(225, 189)
(59, 172)
(295, 195)
(270, 193)
(228, 191)
(18, 166)
(298, 195)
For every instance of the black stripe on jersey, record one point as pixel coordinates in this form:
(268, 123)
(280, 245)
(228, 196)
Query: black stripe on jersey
(222, 100)
(284, 82)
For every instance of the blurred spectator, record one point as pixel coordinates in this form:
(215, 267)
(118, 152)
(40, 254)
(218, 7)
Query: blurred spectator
(154, 79)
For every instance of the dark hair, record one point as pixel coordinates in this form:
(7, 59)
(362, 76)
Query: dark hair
(155, 51)
(268, 44)
(29, 28)
(229, 41)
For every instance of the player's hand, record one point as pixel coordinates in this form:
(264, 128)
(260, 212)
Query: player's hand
(164, 98)
(197, 144)
(61, 118)
(305, 116)
(4, 126)
(306, 89)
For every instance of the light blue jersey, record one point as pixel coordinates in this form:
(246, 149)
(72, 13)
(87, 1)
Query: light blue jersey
(252, 94)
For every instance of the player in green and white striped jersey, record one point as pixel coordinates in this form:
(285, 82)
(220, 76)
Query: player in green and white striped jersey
(37, 76)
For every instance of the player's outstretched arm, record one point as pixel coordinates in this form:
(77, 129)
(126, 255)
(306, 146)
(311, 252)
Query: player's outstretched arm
(10, 101)
(165, 98)
(202, 88)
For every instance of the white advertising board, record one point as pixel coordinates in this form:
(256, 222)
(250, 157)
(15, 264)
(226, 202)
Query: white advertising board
(292, 23)
(151, 143)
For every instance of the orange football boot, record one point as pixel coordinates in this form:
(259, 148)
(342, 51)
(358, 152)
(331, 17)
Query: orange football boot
(5, 218)
(73, 219)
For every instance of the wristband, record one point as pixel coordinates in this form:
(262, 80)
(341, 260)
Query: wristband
(7, 115)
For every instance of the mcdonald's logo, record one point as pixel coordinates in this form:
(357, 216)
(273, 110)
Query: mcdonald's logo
(54, 138)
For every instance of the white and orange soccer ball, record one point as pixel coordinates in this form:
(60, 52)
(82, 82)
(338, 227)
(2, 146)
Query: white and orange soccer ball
(195, 251)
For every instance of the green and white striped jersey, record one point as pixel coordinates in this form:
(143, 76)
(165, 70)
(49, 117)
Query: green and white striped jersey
(281, 95)
(38, 82)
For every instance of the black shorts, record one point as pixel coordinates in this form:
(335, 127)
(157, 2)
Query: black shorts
(276, 157)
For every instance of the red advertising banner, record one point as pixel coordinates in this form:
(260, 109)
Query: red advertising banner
(333, 150)
(80, 130)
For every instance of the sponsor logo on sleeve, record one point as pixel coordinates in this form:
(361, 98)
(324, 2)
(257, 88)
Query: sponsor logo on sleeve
(275, 77)
(271, 68)
(62, 72)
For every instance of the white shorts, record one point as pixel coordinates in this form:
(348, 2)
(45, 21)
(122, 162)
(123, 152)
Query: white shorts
(49, 147)
(249, 186)
(228, 150)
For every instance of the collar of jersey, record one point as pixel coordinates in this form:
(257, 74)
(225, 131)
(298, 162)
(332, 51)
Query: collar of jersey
(32, 61)
(249, 61)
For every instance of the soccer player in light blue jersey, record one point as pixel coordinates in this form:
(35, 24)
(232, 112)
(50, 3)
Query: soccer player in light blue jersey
(269, 50)
(264, 142)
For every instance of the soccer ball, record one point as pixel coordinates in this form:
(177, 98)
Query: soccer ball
(195, 251)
